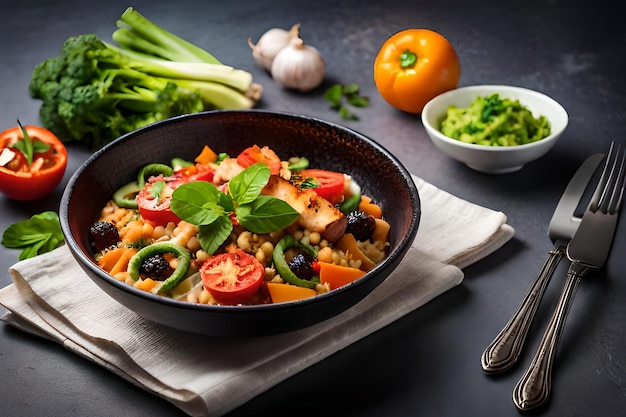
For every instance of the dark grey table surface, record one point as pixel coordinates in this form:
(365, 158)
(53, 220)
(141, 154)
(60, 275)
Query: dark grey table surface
(427, 363)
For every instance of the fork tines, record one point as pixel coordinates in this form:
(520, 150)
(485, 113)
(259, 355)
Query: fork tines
(609, 193)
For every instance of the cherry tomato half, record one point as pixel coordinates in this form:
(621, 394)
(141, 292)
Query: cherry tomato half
(232, 278)
(254, 154)
(155, 197)
(327, 184)
(22, 182)
(154, 203)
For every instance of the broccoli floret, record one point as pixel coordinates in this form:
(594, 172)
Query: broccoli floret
(94, 92)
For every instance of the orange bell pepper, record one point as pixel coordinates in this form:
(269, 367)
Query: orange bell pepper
(414, 66)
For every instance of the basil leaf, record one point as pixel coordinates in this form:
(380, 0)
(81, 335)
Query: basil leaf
(211, 236)
(266, 214)
(247, 185)
(156, 189)
(197, 202)
(226, 201)
(39, 234)
(40, 147)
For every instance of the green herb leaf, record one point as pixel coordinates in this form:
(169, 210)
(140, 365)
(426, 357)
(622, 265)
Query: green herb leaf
(346, 114)
(266, 214)
(197, 202)
(247, 185)
(211, 236)
(220, 157)
(350, 89)
(39, 234)
(358, 101)
(39, 147)
(156, 189)
(333, 95)
(342, 96)
(203, 204)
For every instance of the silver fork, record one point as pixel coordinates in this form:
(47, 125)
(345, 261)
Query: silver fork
(587, 250)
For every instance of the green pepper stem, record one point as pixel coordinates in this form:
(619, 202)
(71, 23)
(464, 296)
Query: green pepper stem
(408, 59)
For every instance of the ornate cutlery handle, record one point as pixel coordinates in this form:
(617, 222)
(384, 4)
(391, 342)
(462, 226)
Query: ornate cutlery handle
(533, 389)
(505, 349)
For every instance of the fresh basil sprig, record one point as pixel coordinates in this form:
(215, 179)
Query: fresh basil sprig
(203, 204)
(39, 234)
(29, 147)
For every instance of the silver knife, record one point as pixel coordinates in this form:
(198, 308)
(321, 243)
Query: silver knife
(502, 353)
(588, 250)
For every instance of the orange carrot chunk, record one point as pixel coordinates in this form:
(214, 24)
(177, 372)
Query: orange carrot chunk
(348, 245)
(206, 156)
(116, 260)
(281, 293)
(338, 275)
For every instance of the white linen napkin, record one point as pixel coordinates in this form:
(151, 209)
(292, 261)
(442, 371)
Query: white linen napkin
(179, 366)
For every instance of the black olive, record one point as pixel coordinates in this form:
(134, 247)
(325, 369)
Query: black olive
(104, 235)
(360, 224)
(302, 265)
(156, 267)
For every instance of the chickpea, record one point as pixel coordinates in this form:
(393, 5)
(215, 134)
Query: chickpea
(244, 241)
(315, 238)
(268, 248)
(193, 244)
(158, 232)
(169, 229)
(204, 297)
(202, 255)
(298, 235)
(325, 255)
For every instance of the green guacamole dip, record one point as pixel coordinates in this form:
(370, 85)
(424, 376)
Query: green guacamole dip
(493, 121)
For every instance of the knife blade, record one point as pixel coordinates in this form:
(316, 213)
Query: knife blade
(502, 353)
(587, 250)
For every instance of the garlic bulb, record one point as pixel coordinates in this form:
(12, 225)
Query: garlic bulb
(299, 66)
(270, 43)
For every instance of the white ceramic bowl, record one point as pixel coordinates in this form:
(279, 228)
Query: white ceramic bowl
(490, 159)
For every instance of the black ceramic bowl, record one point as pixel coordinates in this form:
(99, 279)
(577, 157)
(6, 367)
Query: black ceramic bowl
(327, 146)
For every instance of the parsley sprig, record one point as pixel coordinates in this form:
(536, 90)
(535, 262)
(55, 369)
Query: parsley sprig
(342, 97)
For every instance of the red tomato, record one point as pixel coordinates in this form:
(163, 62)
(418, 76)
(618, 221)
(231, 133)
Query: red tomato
(327, 184)
(254, 154)
(232, 278)
(22, 182)
(156, 209)
(197, 172)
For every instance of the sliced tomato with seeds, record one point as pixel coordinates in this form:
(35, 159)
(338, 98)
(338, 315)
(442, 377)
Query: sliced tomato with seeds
(255, 154)
(154, 203)
(327, 184)
(155, 197)
(232, 278)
